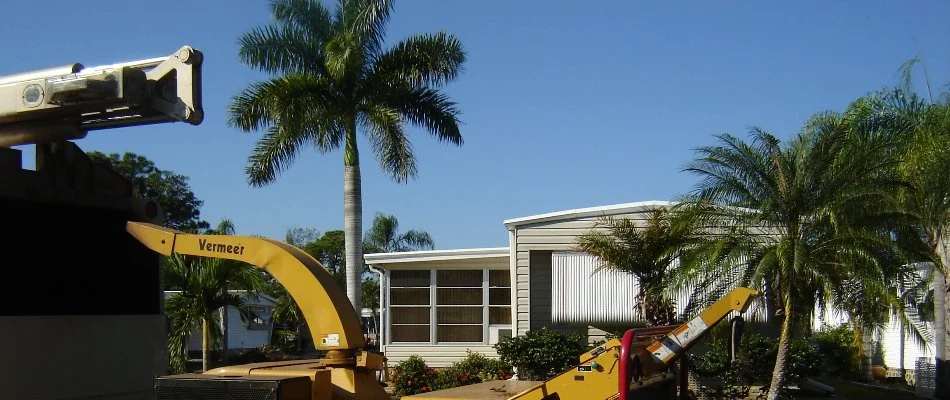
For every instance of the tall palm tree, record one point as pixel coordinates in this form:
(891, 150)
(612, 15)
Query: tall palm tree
(205, 286)
(336, 78)
(384, 237)
(802, 219)
(925, 122)
(646, 252)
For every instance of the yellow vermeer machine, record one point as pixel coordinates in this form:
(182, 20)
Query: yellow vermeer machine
(346, 372)
(634, 367)
(52, 107)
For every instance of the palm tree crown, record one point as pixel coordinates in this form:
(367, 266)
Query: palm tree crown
(646, 251)
(204, 286)
(805, 220)
(334, 78)
(384, 237)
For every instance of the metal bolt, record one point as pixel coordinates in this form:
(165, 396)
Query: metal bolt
(184, 55)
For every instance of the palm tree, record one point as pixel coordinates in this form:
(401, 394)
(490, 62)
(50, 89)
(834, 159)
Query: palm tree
(802, 219)
(384, 237)
(926, 123)
(287, 312)
(335, 79)
(205, 286)
(646, 252)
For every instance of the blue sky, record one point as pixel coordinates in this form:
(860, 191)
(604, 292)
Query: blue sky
(566, 104)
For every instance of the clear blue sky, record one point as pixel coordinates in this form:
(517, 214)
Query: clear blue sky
(566, 104)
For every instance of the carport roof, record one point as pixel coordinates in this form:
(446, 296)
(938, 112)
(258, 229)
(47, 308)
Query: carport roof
(435, 255)
(513, 223)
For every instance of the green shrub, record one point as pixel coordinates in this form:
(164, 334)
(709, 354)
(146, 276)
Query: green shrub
(754, 363)
(412, 376)
(474, 368)
(495, 370)
(803, 361)
(541, 354)
(839, 355)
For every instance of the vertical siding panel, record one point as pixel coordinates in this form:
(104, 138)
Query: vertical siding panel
(581, 296)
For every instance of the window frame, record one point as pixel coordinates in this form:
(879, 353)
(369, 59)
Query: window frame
(255, 310)
(389, 319)
(433, 306)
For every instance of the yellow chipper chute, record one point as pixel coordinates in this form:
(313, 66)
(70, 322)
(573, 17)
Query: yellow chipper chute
(623, 369)
(346, 372)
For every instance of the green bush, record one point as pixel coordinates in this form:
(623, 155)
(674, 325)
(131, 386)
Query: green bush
(451, 377)
(541, 354)
(754, 363)
(412, 376)
(474, 368)
(839, 355)
(803, 361)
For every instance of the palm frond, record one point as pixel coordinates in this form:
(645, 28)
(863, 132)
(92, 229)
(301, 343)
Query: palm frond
(309, 17)
(416, 240)
(272, 154)
(423, 60)
(366, 20)
(423, 107)
(294, 44)
(296, 110)
(390, 144)
(381, 233)
(294, 101)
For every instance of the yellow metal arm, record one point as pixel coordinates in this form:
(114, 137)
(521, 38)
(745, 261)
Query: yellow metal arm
(332, 320)
(685, 336)
(632, 367)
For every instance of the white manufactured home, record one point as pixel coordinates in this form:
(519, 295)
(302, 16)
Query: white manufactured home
(441, 304)
(238, 333)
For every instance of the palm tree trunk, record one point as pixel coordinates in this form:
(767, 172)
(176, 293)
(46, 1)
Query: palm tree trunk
(224, 328)
(866, 350)
(204, 344)
(352, 217)
(941, 321)
(778, 374)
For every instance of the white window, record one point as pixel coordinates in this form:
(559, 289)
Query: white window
(260, 318)
(409, 299)
(449, 306)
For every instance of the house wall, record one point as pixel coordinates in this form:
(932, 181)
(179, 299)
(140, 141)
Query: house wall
(436, 355)
(533, 245)
(240, 337)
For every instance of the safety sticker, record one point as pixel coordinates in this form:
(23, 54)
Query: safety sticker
(332, 339)
(663, 350)
(690, 331)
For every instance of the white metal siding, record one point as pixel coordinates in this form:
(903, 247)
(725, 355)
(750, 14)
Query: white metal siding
(240, 336)
(553, 235)
(891, 343)
(436, 356)
(582, 296)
